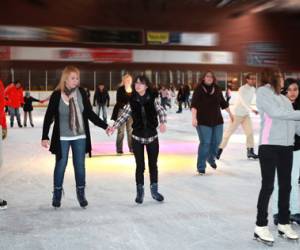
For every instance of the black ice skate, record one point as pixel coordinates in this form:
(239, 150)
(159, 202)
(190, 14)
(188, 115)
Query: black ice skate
(57, 193)
(251, 154)
(155, 194)
(81, 197)
(139, 194)
(295, 218)
(3, 204)
(219, 153)
(263, 234)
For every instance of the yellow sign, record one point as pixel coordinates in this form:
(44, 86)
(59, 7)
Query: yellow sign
(158, 37)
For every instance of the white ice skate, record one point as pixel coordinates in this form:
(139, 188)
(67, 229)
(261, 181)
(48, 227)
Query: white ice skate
(287, 231)
(264, 235)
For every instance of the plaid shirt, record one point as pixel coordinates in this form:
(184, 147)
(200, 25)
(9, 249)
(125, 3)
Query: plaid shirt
(126, 113)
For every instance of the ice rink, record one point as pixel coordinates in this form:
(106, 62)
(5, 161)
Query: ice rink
(216, 211)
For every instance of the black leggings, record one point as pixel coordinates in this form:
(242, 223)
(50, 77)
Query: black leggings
(152, 151)
(272, 157)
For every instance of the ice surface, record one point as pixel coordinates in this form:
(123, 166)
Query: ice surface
(216, 211)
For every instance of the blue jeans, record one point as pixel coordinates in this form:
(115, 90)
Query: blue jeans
(14, 112)
(210, 139)
(78, 152)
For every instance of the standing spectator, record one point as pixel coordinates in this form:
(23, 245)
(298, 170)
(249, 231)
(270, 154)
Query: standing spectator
(3, 130)
(101, 101)
(124, 93)
(14, 95)
(27, 108)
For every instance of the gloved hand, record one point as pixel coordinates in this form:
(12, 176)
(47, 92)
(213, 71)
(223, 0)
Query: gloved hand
(4, 133)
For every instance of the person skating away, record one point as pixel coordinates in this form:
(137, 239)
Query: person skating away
(276, 144)
(241, 111)
(123, 95)
(14, 100)
(207, 102)
(71, 111)
(101, 101)
(3, 134)
(28, 108)
(180, 98)
(144, 109)
(291, 91)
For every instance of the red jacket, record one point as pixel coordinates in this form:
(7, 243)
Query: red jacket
(14, 96)
(2, 104)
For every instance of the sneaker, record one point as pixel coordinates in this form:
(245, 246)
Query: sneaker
(287, 231)
(3, 204)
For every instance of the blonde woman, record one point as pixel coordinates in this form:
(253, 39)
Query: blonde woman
(124, 93)
(70, 110)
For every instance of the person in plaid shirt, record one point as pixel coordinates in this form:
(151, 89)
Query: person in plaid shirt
(144, 109)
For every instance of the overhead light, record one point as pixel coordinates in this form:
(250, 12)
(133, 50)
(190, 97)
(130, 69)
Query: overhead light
(223, 3)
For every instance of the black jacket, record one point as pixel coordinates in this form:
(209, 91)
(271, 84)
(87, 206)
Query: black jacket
(101, 97)
(296, 106)
(122, 99)
(27, 107)
(144, 115)
(52, 114)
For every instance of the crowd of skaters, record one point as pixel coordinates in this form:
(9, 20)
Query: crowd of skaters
(139, 111)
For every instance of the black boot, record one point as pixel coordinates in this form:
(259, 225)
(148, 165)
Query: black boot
(251, 154)
(57, 192)
(81, 197)
(20, 125)
(154, 192)
(139, 193)
(219, 153)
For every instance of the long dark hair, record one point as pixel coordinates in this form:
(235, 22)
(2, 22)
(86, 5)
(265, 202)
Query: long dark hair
(203, 76)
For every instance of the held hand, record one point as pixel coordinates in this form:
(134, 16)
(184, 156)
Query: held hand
(162, 127)
(45, 143)
(194, 123)
(4, 133)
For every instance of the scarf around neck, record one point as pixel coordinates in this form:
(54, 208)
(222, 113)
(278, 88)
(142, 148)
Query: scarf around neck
(75, 116)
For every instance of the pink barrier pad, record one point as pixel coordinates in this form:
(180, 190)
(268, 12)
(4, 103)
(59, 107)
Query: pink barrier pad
(168, 147)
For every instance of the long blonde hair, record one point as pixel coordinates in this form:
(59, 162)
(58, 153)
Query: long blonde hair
(127, 75)
(64, 76)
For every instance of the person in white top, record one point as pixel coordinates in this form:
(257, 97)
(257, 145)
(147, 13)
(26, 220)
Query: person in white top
(241, 111)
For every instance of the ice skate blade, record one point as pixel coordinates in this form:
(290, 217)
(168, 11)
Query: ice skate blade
(258, 239)
(284, 236)
(3, 208)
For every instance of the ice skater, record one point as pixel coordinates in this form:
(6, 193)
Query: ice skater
(3, 134)
(124, 93)
(28, 108)
(144, 109)
(101, 101)
(276, 145)
(70, 110)
(207, 102)
(291, 91)
(241, 112)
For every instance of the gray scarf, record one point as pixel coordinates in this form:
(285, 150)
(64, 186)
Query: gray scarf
(75, 116)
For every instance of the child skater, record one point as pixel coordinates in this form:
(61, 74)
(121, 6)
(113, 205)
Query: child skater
(27, 108)
(144, 109)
